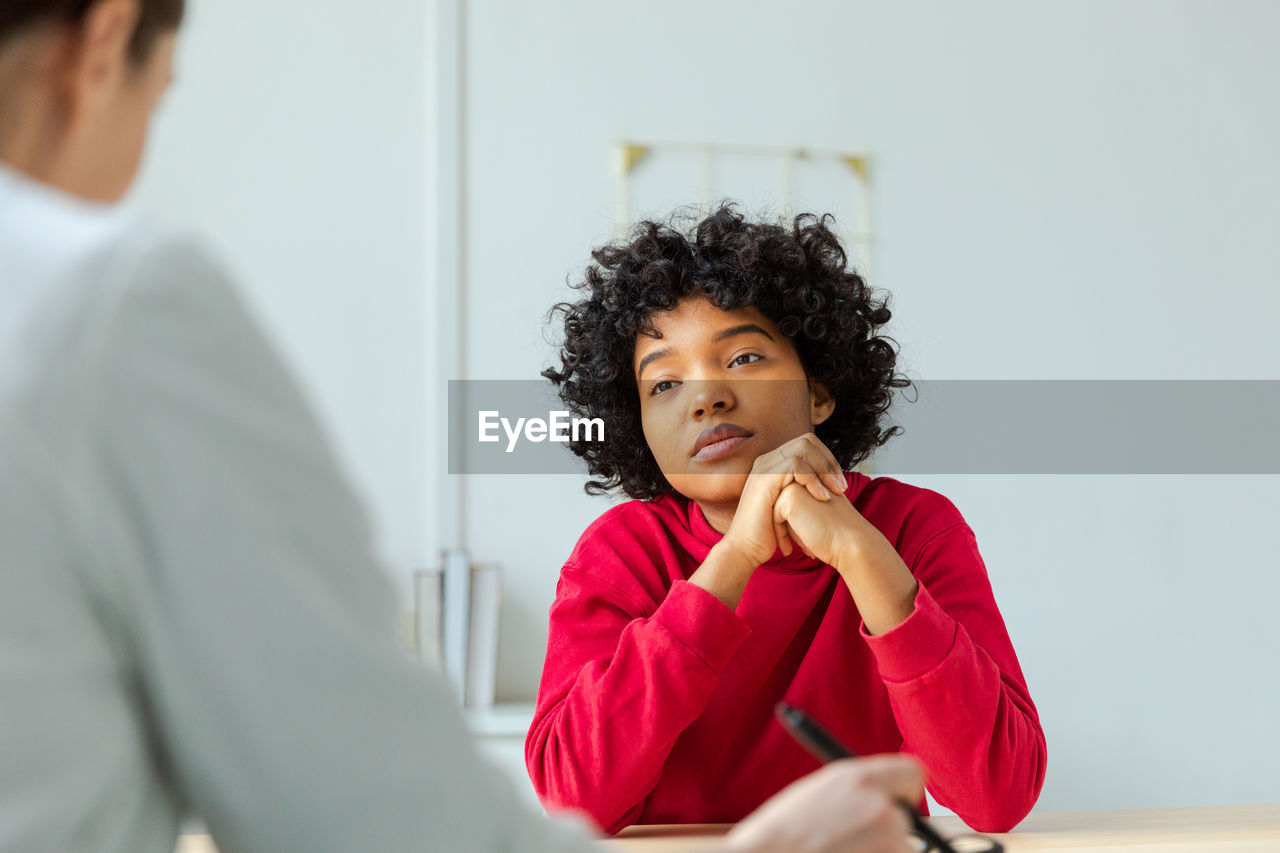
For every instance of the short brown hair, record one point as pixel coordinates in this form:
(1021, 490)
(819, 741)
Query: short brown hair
(157, 16)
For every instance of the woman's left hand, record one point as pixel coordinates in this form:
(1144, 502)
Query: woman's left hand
(825, 530)
(834, 532)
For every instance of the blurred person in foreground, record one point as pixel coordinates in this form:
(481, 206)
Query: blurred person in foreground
(191, 618)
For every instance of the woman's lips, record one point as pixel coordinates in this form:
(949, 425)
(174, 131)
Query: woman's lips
(723, 447)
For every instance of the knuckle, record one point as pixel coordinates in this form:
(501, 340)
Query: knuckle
(848, 773)
(881, 808)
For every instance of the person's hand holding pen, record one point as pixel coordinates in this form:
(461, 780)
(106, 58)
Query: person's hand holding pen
(824, 746)
(847, 806)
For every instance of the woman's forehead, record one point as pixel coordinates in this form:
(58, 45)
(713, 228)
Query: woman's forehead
(696, 319)
(698, 323)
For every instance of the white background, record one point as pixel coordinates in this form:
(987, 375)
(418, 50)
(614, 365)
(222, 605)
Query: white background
(1078, 190)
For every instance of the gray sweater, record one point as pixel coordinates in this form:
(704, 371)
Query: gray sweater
(191, 619)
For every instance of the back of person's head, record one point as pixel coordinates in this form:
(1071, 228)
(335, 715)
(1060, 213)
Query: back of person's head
(79, 80)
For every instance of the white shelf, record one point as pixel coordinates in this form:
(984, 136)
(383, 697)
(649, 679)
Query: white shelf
(507, 720)
(499, 733)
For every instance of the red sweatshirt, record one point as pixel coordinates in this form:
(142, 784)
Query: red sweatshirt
(656, 702)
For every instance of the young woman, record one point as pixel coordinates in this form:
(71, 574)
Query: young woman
(739, 373)
(191, 617)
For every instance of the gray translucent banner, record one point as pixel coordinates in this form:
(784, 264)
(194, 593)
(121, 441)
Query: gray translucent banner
(518, 402)
(950, 427)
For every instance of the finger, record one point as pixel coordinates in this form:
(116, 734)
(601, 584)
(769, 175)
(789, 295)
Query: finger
(783, 538)
(811, 479)
(766, 481)
(803, 547)
(900, 776)
(891, 835)
(800, 447)
(782, 529)
(875, 822)
(887, 832)
(782, 507)
(811, 449)
(823, 460)
(894, 821)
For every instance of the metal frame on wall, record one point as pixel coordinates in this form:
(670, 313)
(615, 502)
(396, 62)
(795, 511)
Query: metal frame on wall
(630, 155)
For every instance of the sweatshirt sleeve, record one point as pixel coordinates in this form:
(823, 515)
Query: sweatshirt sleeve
(620, 683)
(262, 627)
(958, 692)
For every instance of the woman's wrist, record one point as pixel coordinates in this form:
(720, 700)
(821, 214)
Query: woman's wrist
(881, 584)
(849, 559)
(725, 572)
(731, 554)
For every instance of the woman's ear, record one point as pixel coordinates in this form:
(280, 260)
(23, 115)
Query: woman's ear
(821, 403)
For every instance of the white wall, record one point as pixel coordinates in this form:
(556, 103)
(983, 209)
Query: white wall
(1067, 190)
(295, 139)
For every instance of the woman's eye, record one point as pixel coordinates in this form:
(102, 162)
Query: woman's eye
(660, 387)
(747, 355)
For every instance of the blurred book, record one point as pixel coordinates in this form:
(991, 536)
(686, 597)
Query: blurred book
(482, 651)
(458, 616)
(428, 605)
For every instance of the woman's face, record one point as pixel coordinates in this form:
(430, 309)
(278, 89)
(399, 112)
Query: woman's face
(717, 389)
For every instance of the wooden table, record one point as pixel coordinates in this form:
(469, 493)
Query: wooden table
(1217, 829)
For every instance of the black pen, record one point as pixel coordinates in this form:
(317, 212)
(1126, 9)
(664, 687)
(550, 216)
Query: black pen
(826, 748)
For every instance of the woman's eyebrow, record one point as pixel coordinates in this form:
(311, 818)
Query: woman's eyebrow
(653, 356)
(723, 334)
(745, 328)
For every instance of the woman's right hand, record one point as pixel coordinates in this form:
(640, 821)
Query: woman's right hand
(753, 534)
(849, 806)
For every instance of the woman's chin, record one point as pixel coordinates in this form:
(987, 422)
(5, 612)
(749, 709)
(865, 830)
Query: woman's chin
(719, 487)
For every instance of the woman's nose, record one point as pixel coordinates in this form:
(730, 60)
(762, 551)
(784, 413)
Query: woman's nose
(712, 396)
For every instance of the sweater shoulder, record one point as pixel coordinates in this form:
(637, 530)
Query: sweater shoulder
(624, 527)
(908, 515)
(632, 548)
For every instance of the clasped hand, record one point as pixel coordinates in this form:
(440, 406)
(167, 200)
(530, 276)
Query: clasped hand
(794, 497)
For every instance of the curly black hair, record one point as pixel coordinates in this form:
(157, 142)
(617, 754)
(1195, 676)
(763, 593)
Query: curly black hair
(797, 275)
